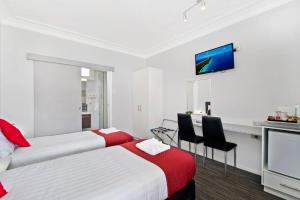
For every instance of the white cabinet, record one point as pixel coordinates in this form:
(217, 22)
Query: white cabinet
(147, 100)
(280, 160)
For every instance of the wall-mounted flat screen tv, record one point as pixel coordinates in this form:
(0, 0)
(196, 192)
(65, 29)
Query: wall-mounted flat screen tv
(214, 60)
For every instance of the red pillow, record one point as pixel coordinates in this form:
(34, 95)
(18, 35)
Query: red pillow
(2, 191)
(13, 134)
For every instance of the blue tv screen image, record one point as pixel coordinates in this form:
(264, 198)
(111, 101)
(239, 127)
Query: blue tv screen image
(217, 59)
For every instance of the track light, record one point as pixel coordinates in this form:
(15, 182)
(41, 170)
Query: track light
(202, 4)
(185, 17)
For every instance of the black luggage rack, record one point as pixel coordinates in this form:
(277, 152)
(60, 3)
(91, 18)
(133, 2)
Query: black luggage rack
(161, 130)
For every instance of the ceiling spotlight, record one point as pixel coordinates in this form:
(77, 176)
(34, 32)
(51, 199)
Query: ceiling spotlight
(185, 17)
(203, 5)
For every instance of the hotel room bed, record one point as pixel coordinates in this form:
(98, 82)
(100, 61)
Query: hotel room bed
(119, 172)
(50, 147)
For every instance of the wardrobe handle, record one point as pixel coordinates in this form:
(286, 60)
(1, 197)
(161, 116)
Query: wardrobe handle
(141, 108)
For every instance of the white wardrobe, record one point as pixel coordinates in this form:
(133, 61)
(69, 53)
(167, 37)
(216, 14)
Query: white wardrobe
(147, 97)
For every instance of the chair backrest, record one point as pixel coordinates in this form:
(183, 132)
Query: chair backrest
(185, 127)
(213, 132)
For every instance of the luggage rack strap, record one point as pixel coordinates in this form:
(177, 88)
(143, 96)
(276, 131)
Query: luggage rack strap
(165, 131)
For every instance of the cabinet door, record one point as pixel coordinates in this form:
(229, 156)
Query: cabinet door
(140, 99)
(283, 153)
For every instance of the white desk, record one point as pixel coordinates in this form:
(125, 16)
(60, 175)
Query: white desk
(236, 128)
(279, 126)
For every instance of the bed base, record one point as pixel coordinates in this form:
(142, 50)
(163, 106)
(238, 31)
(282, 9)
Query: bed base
(186, 193)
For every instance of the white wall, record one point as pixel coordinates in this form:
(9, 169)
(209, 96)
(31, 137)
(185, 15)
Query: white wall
(16, 80)
(266, 74)
(3, 14)
(0, 61)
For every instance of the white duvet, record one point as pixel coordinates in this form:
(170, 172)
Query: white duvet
(111, 173)
(50, 147)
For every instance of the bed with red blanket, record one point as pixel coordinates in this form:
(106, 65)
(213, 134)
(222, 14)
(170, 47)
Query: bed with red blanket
(51, 147)
(178, 166)
(118, 172)
(115, 138)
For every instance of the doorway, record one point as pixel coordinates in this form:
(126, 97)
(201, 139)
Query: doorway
(93, 99)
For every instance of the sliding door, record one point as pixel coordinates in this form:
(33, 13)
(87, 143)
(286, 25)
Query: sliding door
(57, 98)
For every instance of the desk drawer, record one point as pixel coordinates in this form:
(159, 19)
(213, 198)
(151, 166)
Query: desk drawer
(282, 183)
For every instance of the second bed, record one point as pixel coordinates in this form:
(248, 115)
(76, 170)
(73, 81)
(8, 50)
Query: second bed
(50, 147)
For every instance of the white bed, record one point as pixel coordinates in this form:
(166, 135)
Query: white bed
(50, 147)
(111, 173)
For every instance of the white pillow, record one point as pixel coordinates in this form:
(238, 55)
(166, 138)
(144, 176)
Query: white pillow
(4, 163)
(6, 147)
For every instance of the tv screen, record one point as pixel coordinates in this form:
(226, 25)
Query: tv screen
(214, 60)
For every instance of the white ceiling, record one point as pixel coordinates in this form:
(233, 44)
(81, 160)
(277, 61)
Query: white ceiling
(138, 27)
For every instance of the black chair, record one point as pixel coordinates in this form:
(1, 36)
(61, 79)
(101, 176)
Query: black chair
(213, 135)
(186, 132)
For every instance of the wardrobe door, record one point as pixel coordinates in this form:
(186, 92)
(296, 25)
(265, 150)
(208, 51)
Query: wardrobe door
(57, 99)
(140, 99)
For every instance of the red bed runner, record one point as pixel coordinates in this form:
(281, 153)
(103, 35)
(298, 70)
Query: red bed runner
(2, 191)
(178, 166)
(115, 138)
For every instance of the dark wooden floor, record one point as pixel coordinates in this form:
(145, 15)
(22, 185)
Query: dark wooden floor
(211, 183)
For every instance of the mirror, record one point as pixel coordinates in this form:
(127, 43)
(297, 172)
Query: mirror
(199, 96)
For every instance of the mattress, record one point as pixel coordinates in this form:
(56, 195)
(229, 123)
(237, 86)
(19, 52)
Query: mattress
(111, 173)
(51, 147)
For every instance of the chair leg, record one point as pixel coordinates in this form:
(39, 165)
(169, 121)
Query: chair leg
(225, 163)
(235, 157)
(179, 144)
(189, 147)
(212, 153)
(195, 154)
(206, 152)
(203, 157)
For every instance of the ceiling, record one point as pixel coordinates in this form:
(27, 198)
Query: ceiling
(138, 27)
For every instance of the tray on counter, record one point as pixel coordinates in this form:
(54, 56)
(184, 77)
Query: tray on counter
(282, 121)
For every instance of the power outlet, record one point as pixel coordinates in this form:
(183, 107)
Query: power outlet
(256, 137)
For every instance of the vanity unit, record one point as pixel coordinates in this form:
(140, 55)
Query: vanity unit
(86, 120)
(281, 159)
